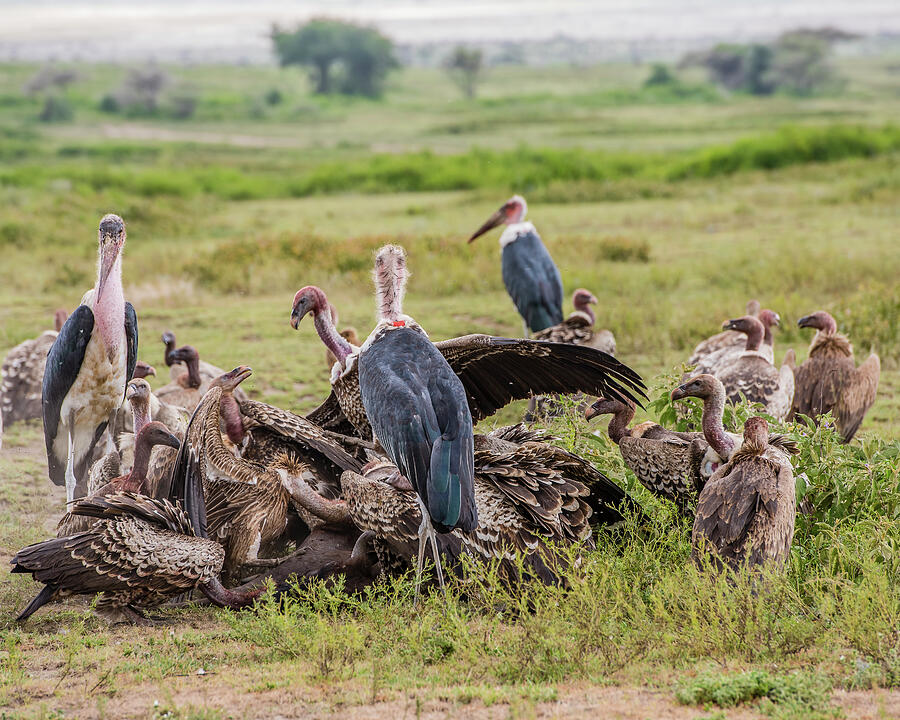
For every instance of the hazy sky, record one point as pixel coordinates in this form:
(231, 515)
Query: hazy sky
(237, 29)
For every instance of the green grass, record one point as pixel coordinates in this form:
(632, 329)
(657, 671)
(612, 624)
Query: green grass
(673, 211)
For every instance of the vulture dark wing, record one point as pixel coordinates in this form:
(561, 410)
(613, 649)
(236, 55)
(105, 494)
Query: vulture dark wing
(329, 416)
(495, 371)
(857, 396)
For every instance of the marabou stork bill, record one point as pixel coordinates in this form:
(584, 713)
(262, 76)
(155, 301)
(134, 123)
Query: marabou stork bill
(529, 274)
(418, 410)
(88, 367)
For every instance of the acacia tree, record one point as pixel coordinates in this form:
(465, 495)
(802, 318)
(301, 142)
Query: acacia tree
(342, 57)
(465, 66)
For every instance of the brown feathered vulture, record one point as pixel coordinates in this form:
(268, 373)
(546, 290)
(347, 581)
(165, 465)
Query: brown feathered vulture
(745, 514)
(829, 380)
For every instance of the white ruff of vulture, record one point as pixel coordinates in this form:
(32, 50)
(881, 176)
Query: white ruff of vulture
(89, 364)
(529, 273)
(139, 553)
(416, 406)
(724, 339)
(578, 328)
(737, 344)
(753, 376)
(745, 514)
(22, 375)
(829, 381)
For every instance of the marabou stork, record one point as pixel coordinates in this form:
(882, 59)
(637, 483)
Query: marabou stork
(418, 409)
(531, 278)
(88, 367)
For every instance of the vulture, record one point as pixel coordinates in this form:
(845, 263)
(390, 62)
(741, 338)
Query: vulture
(745, 514)
(187, 388)
(22, 374)
(829, 381)
(494, 371)
(120, 460)
(247, 501)
(527, 491)
(88, 366)
(149, 437)
(416, 406)
(724, 339)
(669, 464)
(717, 360)
(138, 554)
(207, 372)
(529, 273)
(754, 377)
(578, 328)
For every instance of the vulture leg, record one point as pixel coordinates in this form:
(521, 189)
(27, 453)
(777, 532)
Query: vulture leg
(71, 481)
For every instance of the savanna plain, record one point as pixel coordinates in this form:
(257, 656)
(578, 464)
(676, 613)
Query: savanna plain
(673, 208)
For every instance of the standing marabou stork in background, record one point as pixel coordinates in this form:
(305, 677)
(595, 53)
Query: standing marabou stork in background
(418, 410)
(88, 367)
(531, 278)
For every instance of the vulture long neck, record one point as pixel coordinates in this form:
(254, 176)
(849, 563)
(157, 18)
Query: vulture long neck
(587, 310)
(170, 348)
(332, 339)
(618, 426)
(713, 427)
(231, 415)
(138, 475)
(768, 339)
(754, 338)
(109, 308)
(193, 372)
(140, 413)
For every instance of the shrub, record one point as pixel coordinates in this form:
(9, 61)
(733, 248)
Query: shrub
(56, 109)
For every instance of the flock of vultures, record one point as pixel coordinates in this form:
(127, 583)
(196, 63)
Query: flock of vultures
(198, 487)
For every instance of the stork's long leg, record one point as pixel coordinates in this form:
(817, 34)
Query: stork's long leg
(432, 535)
(526, 331)
(70, 463)
(423, 530)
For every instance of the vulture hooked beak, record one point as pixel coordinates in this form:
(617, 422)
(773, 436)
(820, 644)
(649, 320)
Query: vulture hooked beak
(807, 321)
(238, 375)
(601, 406)
(498, 218)
(730, 325)
(679, 393)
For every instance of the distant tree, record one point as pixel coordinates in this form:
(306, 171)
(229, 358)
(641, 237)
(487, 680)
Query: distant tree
(799, 63)
(341, 56)
(465, 66)
(49, 78)
(660, 75)
(56, 109)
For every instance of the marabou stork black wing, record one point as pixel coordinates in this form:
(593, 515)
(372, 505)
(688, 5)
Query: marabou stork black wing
(63, 364)
(495, 371)
(131, 337)
(532, 281)
(417, 408)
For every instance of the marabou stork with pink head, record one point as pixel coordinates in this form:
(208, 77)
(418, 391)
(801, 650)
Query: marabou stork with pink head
(529, 273)
(419, 412)
(88, 367)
